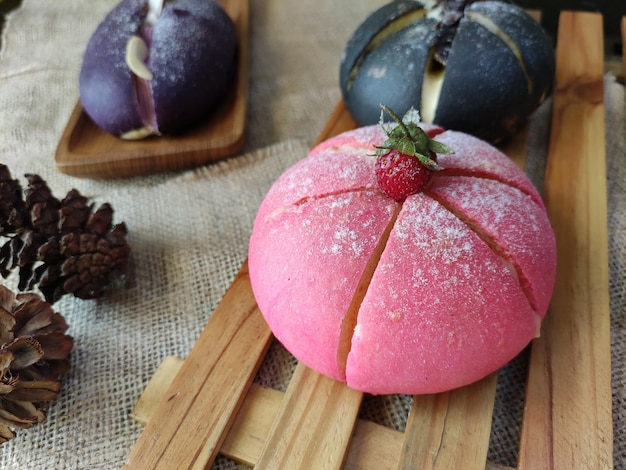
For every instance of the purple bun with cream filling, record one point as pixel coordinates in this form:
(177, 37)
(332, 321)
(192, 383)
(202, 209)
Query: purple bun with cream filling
(155, 67)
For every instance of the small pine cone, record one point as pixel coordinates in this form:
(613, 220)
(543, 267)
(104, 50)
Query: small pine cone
(88, 251)
(12, 209)
(43, 207)
(59, 246)
(34, 352)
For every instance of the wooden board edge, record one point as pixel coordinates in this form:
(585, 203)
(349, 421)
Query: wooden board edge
(569, 379)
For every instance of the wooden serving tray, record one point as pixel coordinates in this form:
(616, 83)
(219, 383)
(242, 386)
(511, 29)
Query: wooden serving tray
(86, 150)
(207, 404)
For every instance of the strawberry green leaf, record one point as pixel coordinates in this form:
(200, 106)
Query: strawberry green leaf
(439, 148)
(410, 139)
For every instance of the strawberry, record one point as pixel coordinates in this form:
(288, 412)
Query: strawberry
(400, 175)
(406, 161)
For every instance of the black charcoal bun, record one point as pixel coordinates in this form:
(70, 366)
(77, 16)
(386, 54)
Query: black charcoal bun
(499, 67)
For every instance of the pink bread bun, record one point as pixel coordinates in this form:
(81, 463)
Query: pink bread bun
(416, 297)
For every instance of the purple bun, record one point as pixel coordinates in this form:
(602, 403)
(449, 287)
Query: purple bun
(192, 49)
(106, 83)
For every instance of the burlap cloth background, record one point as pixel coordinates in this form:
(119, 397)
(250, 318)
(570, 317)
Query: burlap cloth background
(189, 231)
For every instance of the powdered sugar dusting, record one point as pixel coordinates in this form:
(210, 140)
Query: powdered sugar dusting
(342, 164)
(305, 264)
(366, 138)
(473, 156)
(182, 24)
(444, 306)
(439, 299)
(515, 224)
(331, 171)
(423, 226)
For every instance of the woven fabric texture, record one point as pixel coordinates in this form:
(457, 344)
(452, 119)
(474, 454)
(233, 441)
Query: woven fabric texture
(189, 230)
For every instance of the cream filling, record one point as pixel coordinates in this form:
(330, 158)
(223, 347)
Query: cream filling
(136, 58)
(154, 10)
(431, 88)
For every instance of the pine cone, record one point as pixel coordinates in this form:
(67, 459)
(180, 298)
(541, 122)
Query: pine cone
(34, 352)
(59, 246)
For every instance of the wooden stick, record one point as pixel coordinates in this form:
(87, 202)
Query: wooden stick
(450, 430)
(156, 389)
(314, 425)
(248, 434)
(567, 421)
(192, 419)
(373, 447)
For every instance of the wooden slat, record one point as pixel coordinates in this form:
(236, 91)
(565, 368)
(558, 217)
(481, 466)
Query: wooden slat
(155, 390)
(450, 430)
(567, 420)
(373, 446)
(314, 425)
(192, 419)
(246, 438)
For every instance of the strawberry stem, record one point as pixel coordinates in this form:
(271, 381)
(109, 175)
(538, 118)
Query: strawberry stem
(408, 138)
(395, 117)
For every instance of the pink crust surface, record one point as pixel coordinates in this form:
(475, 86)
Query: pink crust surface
(436, 292)
(306, 267)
